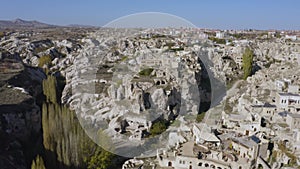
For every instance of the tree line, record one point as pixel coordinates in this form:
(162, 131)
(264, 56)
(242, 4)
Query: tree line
(66, 145)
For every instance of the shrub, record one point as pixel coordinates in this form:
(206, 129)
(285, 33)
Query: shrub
(200, 117)
(158, 127)
(146, 72)
(124, 58)
(217, 40)
(45, 60)
(38, 163)
(2, 34)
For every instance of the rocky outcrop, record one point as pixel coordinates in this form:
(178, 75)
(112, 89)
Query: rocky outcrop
(123, 85)
(20, 114)
(10, 63)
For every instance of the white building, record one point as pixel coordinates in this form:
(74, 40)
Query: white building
(268, 111)
(203, 36)
(186, 158)
(220, 35)
(293, 120)
(293, 89)
(285, 100)
(249, 128)
(203, 135)
(296, 144)
(291, 37)
(245, 147)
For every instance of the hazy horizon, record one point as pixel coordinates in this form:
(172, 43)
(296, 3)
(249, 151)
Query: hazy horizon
(215, 14)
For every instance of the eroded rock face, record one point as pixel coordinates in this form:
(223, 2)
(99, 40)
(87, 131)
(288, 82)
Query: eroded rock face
(159, 99)
(32, 45)
(125, 84)
(20, 114)
(10, 63)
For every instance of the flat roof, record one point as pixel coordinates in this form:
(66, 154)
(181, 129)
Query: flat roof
(288, 94)
(267, 105)
(246, 142)
(187, 149)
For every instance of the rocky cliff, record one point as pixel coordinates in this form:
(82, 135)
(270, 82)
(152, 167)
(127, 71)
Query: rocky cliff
(20, 114)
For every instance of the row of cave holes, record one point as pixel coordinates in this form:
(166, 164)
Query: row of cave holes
(160, 82)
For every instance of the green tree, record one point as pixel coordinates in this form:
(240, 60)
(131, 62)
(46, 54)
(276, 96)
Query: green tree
(66, 143)
(49, 89)
(247, 63)
(45, 60)
(158, 127)
(100, 160)
(38, 163)
(217, 40)
(62, 136)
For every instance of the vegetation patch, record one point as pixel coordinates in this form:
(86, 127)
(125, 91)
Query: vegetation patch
(200, 117)
(2, 34)
(247, 63)
(45, 60)
(170, 44)
(146, 72)
(175, 123)
(64, 140)
(217, 40)
(124, 58)
(159, 127)
(38, 163)
(284, 149)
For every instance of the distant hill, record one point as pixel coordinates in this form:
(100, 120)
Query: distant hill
(19, 23)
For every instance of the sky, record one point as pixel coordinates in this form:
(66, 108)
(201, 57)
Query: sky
(214, 14)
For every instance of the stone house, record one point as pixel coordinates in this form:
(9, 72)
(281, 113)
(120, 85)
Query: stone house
(245, 147)
(293, 120)
(221, 35)
(293, 89)
(186, 157)
(285, 100)
(267, 111)
(296, 143)
(249, 128)
(203, 135)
